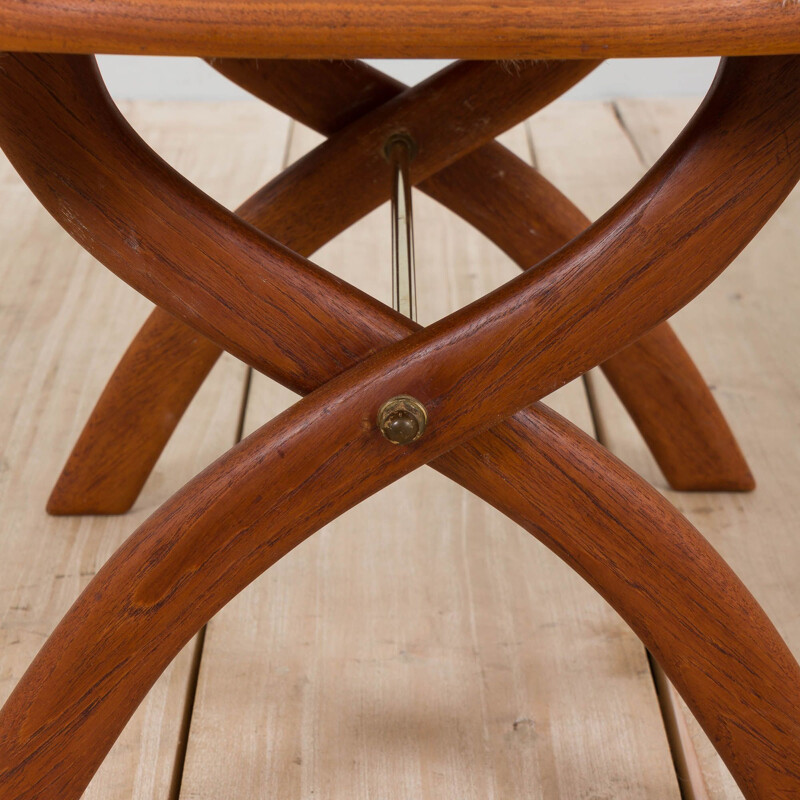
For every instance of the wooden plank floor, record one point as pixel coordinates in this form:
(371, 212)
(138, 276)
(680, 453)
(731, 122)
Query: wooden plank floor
(421, 646)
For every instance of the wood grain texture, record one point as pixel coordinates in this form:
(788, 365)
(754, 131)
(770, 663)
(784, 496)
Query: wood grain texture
(303, 209)
(173, 574)
(666, 394)
(544, 636)
(508, 29)
(198, 261)
(421, 645)
(290, 271)
(133, 420)
(498, 193)
(61, 317)
(528, 218)
(746, 334)
(227, 525)
(596, 176)
(655, 378)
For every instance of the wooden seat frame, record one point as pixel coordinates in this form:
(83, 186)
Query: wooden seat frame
(597, 294)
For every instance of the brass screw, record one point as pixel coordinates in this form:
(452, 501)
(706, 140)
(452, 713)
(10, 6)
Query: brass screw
(402, 419)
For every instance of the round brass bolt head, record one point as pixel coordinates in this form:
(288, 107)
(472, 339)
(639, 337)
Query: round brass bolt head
(402, 419)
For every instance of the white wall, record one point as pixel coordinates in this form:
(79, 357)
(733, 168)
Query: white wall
(152, 78)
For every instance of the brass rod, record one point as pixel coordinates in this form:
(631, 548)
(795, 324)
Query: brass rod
(399, 152)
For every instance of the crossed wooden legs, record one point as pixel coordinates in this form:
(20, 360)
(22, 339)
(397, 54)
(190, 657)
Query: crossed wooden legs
(474, 371)
(492, 189)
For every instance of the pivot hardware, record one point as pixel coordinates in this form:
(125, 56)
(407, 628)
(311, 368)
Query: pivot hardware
(402, 419)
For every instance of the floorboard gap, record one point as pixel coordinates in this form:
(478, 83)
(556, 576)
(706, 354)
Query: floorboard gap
(690, 777)
(186, 723)
(684, 757)
(197, 657)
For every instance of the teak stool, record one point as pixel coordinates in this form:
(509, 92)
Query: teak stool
(240, 282)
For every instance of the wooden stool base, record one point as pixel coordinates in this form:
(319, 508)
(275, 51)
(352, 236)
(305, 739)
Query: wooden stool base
(479, 373)
(166, 364)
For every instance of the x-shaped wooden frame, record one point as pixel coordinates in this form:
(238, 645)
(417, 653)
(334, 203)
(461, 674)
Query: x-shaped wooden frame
(496, 192)
(474, 370)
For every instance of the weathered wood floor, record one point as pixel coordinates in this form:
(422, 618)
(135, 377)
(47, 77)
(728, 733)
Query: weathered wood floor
(422, 646)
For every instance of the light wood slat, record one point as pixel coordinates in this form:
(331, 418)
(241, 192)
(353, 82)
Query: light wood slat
(422, 646)
(504, 29)
(744, 335)
(64, 322)
(583, 150)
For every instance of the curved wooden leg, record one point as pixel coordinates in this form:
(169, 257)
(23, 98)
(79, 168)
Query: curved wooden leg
(471, 369)
(166, 363)
(215, 283)
(142, 403)
(278, 486)
(702, 455)
(504, 198)
(656, 379)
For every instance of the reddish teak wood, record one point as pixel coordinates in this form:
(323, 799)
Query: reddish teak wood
(504, 29)
(710, 193)
(495, 191)
(504, 198)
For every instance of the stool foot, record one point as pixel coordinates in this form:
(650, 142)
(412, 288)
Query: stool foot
(678, 417)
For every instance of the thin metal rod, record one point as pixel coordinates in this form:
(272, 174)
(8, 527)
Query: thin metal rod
(399, 152)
